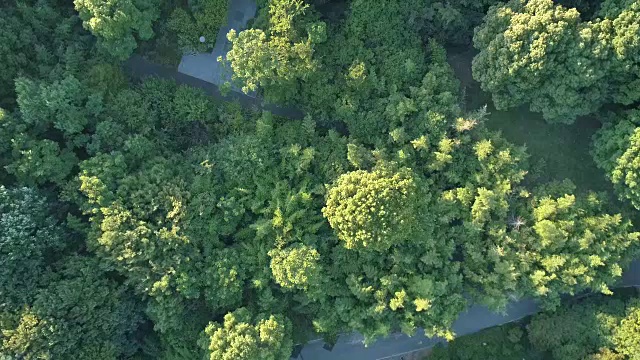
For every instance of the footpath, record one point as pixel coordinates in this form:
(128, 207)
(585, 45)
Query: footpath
(139, 68)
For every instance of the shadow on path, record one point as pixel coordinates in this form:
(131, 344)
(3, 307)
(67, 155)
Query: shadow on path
(140, 68)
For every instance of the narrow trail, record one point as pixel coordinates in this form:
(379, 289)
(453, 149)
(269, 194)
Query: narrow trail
(139, 68)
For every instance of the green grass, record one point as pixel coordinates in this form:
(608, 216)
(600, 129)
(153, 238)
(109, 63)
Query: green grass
(557, 152)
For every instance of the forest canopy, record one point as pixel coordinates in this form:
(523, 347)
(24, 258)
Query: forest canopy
(143, 218)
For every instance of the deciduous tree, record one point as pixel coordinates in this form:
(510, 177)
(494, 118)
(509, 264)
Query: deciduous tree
(117, 23)
(243, 336)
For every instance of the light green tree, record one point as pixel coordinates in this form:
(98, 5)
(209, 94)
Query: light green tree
(625, 336)
(374, 209)
(245, 337)
(577, 247)
(276, 58)
(296, 267)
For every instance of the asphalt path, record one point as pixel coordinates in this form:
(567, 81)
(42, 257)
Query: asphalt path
(138, 67)
(474, 319)
(205, 66)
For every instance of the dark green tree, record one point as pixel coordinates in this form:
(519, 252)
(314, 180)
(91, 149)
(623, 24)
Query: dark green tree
(30, 242)
(118, 24)
(80, 313)
(543, 54)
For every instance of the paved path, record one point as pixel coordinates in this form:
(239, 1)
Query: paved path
(206, 66)
(138, 67)
(476, 318)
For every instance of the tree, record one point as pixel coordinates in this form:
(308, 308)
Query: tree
(141, 242)
(245, 337)
(540, 53)
(203, 18)
(593, 328)
(66, 105)
(36, 162)
(578, 247)
(616, 148)
(64, 110)
(374, 209)
(625, 336)
(80, 314)
(116, 23)
(454, 21)
(38, 39)
(500, 342)
(30, 242)
(296, 267)
(276, 59)
(596, 328)
(621, 18)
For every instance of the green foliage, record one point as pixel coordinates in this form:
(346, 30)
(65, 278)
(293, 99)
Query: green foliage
(29, 242)
(374, 209)
(65, 105)
(277, 58)
(385, 209)
(38, 39)
(541, 53)
(296, 267)
(245, 337)
(616, 149)
(597, 327)
(501, 342)
(516, 244)
(579, 247)
(80, 314)
(374, 54)
(625, 336)
(117, 24)
(518, 64)
(38, 161)
(204, 18)
(454, 21)
(139, 236)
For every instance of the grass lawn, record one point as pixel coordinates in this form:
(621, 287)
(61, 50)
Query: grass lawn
(556, 151)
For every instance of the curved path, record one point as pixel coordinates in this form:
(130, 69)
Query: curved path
(138, 67)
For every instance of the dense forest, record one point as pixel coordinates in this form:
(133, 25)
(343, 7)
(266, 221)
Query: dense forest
(144, 219)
